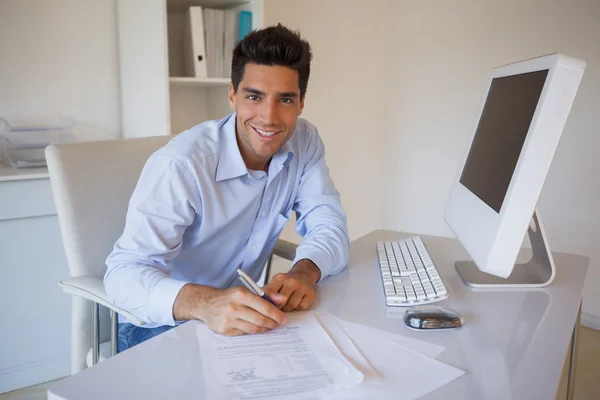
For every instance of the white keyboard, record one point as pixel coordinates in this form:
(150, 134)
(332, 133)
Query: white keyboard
(409, 276)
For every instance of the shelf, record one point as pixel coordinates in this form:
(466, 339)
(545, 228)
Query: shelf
(182, 5)
(207, 82)
(10, 174)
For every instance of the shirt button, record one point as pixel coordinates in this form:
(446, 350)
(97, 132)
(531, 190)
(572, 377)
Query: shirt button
(262, 214)
(254, 248)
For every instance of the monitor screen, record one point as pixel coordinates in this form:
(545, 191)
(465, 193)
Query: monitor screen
(500, 135)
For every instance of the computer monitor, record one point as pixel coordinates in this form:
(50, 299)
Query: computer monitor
(518, 128)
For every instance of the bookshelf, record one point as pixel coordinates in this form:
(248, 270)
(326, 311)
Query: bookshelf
(157, 96)
(191, 81)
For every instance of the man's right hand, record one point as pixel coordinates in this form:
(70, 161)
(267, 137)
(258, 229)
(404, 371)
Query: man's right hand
(231, 312)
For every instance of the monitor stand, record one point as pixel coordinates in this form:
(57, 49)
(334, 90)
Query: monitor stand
(537, 272)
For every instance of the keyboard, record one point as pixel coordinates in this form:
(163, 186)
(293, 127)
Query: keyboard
(408, 274)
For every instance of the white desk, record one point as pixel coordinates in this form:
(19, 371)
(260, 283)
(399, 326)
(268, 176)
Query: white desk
(512, 346)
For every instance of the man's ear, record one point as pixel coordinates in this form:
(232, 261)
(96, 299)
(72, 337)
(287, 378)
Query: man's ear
(231, 96)
(302, 103)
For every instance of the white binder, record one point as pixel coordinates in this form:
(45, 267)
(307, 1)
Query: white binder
(229, 43)
(193, 42)
(219, 32)
(210, 32)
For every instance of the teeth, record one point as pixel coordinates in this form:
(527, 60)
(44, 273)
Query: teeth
(264, 133)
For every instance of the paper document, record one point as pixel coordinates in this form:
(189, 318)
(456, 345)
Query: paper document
(429, 349)
(347, 347)
(406, 374)
(298, 360)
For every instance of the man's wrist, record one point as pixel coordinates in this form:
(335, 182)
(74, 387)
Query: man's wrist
(191, 302)
(306, 267)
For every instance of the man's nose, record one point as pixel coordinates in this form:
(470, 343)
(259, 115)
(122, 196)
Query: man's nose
(269, 113)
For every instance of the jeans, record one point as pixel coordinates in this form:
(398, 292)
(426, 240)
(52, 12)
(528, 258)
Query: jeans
(130, 335)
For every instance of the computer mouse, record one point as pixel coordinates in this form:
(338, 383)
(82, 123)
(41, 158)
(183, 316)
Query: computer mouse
(432, 317)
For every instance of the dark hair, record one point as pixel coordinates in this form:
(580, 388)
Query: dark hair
(274, 45)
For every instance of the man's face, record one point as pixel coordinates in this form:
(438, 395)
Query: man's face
(268, 105)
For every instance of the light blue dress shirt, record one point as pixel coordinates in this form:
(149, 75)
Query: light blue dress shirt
(197, 214)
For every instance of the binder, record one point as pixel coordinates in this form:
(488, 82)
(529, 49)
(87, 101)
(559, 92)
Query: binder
(245, 25)
(209, 16)
(219, 37)
(229, 44)
(193, 42)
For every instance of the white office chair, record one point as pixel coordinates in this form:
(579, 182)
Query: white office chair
(92, 183)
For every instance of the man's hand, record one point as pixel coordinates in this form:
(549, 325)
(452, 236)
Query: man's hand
(295, 290)
(231, 312)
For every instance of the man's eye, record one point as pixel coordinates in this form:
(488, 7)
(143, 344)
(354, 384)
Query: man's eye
(252, 97)
(286, 100)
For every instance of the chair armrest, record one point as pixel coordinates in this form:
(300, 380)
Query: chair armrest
(285, 249)
(92, 288)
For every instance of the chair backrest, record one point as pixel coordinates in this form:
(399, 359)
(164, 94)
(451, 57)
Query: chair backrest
(92, 183)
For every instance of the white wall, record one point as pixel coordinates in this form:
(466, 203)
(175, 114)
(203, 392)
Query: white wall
(56, 57)
(345, 99)
(441, 56)
(60, 57)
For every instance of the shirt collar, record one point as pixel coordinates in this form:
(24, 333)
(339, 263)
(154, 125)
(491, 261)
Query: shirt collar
(284, 155)
(231, 164)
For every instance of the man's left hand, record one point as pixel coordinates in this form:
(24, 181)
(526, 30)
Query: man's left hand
(297, 288)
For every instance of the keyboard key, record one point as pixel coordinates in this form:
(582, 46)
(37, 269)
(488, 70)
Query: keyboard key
(400, 293)
(395, 299)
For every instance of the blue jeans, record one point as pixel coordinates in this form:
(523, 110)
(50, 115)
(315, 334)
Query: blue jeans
(130, 335)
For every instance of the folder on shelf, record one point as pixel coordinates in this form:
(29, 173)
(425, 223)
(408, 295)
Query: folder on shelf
(194, 47)
(229, 43)
(210, 33)
(219, 39)
(245, 23)
(210, 36)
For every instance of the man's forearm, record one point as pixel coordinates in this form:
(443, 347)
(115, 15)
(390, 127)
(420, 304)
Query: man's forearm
(309, 268)
(191, 300)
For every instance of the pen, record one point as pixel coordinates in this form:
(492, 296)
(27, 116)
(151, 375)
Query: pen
(252, 286)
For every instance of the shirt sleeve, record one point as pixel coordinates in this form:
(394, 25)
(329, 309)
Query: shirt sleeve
(320, 218)
(164, 203)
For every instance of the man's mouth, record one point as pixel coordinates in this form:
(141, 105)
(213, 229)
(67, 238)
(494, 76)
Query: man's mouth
(265, 133)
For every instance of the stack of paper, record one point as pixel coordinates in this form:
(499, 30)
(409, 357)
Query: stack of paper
(405, 365)
(318, 356)
(23, 139)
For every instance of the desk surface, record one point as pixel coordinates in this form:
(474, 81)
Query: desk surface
(512, 346)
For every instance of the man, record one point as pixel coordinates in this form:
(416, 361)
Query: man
(216, 198)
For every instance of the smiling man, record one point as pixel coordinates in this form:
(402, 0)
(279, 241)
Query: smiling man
(216, 199)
